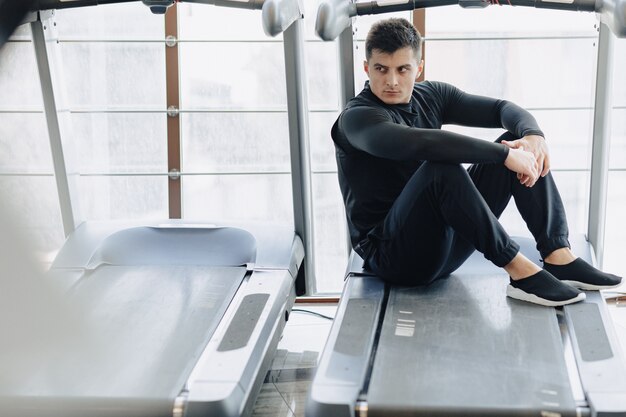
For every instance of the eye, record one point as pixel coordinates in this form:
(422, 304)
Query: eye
(403, 69)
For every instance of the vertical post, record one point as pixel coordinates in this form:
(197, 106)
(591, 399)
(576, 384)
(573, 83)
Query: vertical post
(601, 137)
(346, 86)
(346, 66)
(57, 117)
(173, 113)
(297, 105)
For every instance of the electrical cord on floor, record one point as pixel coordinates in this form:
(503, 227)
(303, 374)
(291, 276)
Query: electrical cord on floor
(299, 310)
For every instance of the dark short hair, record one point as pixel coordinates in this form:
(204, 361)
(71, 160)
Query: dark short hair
(392, 34)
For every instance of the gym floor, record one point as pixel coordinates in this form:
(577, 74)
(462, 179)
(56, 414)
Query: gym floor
(287, 383)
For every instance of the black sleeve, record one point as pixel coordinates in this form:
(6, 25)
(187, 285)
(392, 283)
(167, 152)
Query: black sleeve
(373, 131)
(465, 109)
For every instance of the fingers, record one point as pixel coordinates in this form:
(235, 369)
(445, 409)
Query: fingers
(531, 176)
(546, 166)
(540, 165)
(516, 144)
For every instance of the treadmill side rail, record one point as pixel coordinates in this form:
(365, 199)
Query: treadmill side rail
(229, 374)
(342, 368)
(598, 356)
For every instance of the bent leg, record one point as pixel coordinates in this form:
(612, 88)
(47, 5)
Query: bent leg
(540, 206)
(493, 182)
(439, 207)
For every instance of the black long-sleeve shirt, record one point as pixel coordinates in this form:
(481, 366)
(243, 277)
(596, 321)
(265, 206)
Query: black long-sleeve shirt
(379, 146)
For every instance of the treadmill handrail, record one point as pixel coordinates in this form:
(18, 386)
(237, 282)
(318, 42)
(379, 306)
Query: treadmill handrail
(333, 16)
(278, 15)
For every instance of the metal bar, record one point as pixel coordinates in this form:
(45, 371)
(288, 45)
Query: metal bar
(216, 110)
(276, 41)
(378, 7)
(26, 174)
(334, 15)
(17, 111)
(373, 7)
(236, 4)
(346, 91)
(601, 138)
(346, 67)
(211, 174)
(508, 38)
(254, 111)
(57, 119)
(173, 118)
(299, 145)
(182, 174)
(68, 4)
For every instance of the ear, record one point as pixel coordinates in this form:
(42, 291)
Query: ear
(420, 68)
(366, 68)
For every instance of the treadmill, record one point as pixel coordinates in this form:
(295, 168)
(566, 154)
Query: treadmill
(179, 318)
(460, 347)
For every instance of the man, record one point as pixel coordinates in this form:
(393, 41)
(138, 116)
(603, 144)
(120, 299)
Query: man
(414, 213)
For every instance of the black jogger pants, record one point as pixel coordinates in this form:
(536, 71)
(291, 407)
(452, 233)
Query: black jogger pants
(446, 212)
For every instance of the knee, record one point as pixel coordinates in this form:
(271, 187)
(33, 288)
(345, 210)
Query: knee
(446, 171)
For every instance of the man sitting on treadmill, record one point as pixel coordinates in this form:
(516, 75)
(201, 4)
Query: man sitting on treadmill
(414, 213)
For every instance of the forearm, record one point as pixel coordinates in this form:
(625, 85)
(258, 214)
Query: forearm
(518, 121)
(392, 141)
(479, 111)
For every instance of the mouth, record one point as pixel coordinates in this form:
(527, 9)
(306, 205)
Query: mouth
(391, 92)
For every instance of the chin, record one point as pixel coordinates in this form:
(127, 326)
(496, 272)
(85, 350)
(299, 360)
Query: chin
(395, 100)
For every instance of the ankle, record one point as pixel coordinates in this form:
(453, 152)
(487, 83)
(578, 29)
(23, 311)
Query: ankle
(521, 267)
(561, 256)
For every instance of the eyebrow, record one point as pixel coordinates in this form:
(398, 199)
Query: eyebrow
(386, 67)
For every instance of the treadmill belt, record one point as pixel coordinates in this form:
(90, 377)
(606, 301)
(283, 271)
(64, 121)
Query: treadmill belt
(147, 326)
(474, 352)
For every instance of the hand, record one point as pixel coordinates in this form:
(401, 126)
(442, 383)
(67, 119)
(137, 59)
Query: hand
(537, 145)
(524, 164)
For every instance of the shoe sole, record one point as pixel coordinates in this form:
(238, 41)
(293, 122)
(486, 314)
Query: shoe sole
(589, 287)
(532, 298)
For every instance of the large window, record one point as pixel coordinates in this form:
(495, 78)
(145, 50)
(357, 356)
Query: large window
(27, 183)
(233, 114)
(615, 244)
(114, 76)
(544, 61)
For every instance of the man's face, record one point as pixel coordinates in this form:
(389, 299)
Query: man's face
(392, 75)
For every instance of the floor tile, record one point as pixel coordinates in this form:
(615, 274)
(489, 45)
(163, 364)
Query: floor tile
(270, 403)
(293, 367)
(294, 394)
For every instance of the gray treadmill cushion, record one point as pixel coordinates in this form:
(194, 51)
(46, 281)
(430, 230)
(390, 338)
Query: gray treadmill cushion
(144, 245)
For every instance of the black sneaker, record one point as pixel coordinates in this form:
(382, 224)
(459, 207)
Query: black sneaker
(544, 289)
(581, 275)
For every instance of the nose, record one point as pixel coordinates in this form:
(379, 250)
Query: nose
(392, 79)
